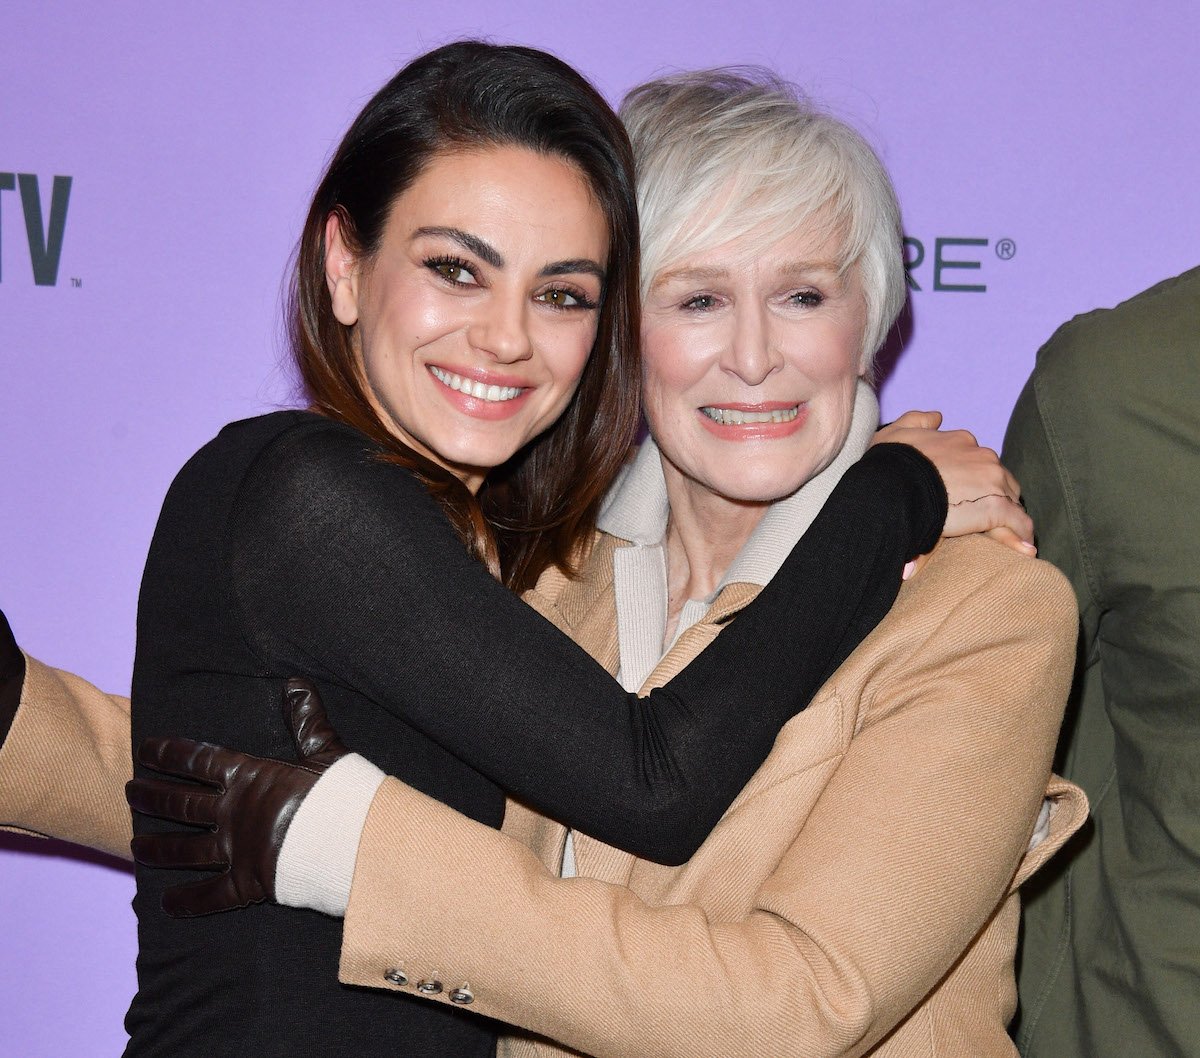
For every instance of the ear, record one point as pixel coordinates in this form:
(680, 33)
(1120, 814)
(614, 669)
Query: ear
(341, 272)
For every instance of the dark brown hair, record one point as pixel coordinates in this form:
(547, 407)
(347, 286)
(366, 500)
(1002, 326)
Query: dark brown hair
(540, 508)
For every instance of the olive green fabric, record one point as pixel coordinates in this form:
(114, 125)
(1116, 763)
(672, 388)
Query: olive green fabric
(1105, 440)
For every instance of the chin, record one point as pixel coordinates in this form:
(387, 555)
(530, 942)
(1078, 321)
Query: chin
(485, 453)
(751, 484)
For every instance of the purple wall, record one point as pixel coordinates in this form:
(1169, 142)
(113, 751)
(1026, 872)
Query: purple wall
(193, 135)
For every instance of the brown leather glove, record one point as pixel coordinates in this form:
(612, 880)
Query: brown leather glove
(12, 677)
(247, 814)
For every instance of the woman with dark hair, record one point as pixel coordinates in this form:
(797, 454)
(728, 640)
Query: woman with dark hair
(465, 319)
(463, 97)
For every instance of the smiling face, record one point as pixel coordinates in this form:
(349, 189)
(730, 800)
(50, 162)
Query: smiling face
(751, 354)
(476, 315)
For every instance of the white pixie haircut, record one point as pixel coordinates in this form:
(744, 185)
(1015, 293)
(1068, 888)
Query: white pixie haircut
(725, 152)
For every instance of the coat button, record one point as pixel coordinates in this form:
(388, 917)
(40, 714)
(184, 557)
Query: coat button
(431, 986)
(462, 995)
(396, 976)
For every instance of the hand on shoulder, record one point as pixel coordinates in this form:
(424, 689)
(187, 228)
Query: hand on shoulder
(984, 497)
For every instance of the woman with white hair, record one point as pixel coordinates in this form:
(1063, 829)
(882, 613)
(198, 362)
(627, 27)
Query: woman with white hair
(860, 895)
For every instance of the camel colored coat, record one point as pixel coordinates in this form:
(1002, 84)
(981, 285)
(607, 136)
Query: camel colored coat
(858, 897)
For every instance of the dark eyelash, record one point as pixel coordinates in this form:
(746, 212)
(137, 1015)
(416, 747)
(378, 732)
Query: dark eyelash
(433, 263)
(584, 302)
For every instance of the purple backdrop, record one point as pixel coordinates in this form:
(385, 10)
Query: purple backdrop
(1058, 140)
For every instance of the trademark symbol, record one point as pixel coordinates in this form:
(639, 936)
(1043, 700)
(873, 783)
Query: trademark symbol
(75, 282)
(1006, 249)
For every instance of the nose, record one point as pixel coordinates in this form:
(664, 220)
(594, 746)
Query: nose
(750, 353)
(501, 330)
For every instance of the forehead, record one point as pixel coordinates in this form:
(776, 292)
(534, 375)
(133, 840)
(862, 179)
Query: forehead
(485, 189)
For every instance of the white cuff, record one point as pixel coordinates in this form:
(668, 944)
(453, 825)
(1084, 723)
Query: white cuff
(1041, 829)
(316, 863)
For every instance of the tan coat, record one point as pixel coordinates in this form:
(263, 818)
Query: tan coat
(869, 868)
(861, 888)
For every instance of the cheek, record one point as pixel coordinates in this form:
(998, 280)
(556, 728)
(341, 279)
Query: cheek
(566, 358)
(668, 372)
(411, 313)
(833, 357)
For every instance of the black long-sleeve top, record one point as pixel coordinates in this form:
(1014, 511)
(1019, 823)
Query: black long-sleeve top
(286, 547)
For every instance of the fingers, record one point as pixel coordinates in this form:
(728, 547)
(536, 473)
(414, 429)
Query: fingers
(207, 897)
(919, 420)
(1010, 515)
(1002, 534)
(175, 801)
(179, 851)
(186, 759)
(901, 430)
(312, 733)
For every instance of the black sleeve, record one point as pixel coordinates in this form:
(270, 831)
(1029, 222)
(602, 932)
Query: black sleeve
(346, 570)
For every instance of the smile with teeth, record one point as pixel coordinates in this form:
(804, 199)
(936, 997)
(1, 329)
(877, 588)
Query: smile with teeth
(479, 390)
(734, 417)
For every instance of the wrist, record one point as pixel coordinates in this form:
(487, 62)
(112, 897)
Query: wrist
(320, 847)
(923, 496)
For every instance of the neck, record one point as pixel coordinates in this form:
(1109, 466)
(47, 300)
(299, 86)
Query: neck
(705, 532)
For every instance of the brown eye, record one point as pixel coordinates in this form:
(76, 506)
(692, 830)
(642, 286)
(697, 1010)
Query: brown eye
(560, 298)
(452, 270)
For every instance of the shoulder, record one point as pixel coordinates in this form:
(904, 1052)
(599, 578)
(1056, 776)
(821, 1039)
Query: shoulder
(249, 440)
(307, 454)
(316, 475)
(301, 439)
(979, 623)
(221, 463)
(1093, 346)
(971, 597)
(975, 574)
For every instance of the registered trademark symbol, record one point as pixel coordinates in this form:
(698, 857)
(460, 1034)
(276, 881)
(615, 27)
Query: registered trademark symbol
(76, 282)
(1006, 249)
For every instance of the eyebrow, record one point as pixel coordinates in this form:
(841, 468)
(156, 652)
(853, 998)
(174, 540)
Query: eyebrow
(691, 274)
(576, 264)
(795, 268)
(490, 255)
(791, 268)
(485, 251)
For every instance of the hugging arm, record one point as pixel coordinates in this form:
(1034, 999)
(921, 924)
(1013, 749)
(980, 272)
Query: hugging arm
(348, 573)
(64, 766)
(912, 844)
